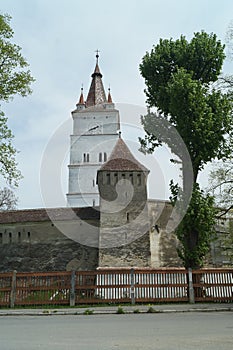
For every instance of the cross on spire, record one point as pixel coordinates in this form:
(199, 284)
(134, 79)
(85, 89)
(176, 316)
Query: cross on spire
(97, 54)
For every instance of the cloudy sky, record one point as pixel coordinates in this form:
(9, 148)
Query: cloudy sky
(59, 39)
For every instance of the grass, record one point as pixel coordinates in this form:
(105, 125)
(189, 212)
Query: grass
(151, 310)
(120, 310)
(88, 312)
(136, 311)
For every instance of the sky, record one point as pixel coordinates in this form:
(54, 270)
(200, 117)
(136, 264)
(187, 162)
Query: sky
(59, 39)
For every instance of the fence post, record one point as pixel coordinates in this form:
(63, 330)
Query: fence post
(132, 288)
(72, 288)
(190, 286)
(13, 289)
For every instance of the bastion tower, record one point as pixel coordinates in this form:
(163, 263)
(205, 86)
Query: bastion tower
(124, 238)
(96, 124)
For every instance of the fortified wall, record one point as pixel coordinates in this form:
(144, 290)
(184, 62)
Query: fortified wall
(34, 240)
(49, 240)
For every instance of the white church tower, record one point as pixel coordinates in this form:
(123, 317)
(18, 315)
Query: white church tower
(96, 124)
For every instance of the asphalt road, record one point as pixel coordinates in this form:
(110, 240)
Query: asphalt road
(173, 331)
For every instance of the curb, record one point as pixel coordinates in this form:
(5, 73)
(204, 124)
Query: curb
(81, 312)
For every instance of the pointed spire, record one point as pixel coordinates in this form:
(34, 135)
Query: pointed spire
(96, 94)
(97, 70)
(109, 96)
(81, 98)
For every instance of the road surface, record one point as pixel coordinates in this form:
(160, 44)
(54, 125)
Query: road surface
(191, 330)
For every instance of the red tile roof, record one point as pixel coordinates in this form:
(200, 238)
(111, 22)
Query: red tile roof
(81, 99)
(121, 159)
(109, 96)
(49, 214)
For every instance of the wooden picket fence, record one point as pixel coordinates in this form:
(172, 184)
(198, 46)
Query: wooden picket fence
(116, 286)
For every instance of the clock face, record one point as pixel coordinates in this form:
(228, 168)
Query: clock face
(95, 128)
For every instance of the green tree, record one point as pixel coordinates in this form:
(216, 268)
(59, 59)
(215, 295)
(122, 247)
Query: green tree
(179, 77)
(197, 229)
(221, 184)
(8, 201)
(228, 242)
(15, 78)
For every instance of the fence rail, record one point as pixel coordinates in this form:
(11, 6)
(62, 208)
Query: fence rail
(113, 286)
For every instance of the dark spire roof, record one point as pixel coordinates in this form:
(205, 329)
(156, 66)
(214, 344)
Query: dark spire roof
(121, 159)
(96, 94)
(81, 98)
(109, 96)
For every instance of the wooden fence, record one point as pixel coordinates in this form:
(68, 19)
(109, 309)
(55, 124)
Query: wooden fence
(116, 286)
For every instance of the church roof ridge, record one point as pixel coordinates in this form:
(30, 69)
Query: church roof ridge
(121, 159)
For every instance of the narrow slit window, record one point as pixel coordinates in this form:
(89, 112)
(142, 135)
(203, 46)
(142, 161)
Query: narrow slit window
(84, 158)
(139, 181)
(115, 178)
(0, 238)
(19, 237)
(88, 158)
(10, 237)
(131, 178)
(108, 179)
(105, 157)
(100, 157)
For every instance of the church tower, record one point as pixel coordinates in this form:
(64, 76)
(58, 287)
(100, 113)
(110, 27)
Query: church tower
(96, 124)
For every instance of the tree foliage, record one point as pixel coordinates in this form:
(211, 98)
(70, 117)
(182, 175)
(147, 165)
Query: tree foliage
(221, 184)
(8, 201)
(15, 78)
(228, 242)
(180, 77)
(8, 164)
(197, 229)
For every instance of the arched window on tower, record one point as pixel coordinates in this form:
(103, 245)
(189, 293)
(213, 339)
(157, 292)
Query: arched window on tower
(105, 157)
(86, 157)
(100, 157)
